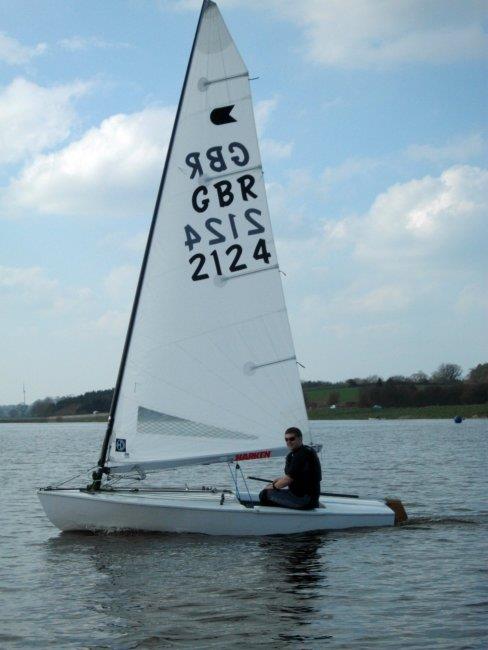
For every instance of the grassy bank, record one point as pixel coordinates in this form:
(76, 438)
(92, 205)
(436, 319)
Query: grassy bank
(407, 412)
(325, 413)
(99, 417)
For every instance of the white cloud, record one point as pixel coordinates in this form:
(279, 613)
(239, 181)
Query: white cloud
(34, 117)
(120, 240)
(33, 285)
(27, 280)
(459, 149)
(120, 283)
(270, 148)
(473, 297)
(112, 170)
(195, 5)
(348, 170)
(365, 34)
(14, 53)
(443, 217)
(379, 33)
(72, 300)
(274, 149)
(80, 43)
(263, 111)
(419, 249)
(381, 299)
(111, 322)
(136, 243)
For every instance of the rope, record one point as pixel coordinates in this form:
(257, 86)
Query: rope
(76, 476)
(234, 479)
(245, 483)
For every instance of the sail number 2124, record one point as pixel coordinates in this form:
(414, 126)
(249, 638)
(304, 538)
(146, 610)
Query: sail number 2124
(240, 238)
(218, 231)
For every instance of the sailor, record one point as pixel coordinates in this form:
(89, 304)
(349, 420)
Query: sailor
(299, 487)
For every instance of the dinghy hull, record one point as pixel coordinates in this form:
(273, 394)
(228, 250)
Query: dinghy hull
(75, 510)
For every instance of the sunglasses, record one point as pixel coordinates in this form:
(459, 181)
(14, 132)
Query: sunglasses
(292, 439)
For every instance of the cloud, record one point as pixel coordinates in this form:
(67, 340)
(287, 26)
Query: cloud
(33, 285)
(111, 322)
(401, 282)
(380, 34)
(112, 170)
(14, 53)
(420, 243)
(72, 300)
(270, 148)
(384, 298)
(348, 170)
(365, 34)
(433, 218)
(459, 149)
(80, 43)
(195, 5)
(35, 118)
(26, 280)
(120, 283)
(274, 149)
(136, 243)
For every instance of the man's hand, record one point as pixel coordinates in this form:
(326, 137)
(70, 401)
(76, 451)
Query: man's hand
(280, 483)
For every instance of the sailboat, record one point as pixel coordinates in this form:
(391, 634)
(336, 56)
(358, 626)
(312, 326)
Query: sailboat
(208, 371)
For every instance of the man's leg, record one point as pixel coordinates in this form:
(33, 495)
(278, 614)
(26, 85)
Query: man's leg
(263, 498)
(284, 499)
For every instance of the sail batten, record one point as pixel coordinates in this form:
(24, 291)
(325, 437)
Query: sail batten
(184, 391)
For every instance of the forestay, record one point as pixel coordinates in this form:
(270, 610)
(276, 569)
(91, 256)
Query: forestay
(210, 371)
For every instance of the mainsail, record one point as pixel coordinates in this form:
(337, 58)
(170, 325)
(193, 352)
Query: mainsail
(209, 369)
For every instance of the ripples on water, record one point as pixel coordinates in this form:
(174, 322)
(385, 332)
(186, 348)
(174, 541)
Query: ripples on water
(418, 586)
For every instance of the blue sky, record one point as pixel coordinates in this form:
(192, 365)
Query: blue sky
(372, 123)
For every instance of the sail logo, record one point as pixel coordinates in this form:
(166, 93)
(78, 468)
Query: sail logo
(253, 455)
(222, 115)
(120, 444)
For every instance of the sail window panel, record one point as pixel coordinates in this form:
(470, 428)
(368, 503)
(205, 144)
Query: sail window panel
(156, 423)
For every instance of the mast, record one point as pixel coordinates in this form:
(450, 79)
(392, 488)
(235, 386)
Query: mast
(103, 456)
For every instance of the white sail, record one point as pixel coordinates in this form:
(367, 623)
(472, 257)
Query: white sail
(210, 371)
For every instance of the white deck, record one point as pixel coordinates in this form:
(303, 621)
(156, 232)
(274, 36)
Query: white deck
(188, 512)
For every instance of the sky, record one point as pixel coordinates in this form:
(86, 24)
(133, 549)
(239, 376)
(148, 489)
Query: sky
(371, 116)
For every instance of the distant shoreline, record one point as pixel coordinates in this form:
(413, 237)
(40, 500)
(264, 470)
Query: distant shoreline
(441, 412)
(99, 417)
(466, 411)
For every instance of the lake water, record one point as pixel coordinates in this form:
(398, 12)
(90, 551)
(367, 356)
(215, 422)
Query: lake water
(422, 585)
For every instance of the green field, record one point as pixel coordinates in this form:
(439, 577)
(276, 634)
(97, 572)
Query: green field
(326, 413)
(99, 417)
(321, 394)
(407, 412)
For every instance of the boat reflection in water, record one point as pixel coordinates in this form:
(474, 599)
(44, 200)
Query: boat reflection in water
(154, 588)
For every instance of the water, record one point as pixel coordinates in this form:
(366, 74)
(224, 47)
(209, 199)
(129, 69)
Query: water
(421, 585)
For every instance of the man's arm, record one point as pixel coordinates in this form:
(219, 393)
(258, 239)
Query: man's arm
(280, 483)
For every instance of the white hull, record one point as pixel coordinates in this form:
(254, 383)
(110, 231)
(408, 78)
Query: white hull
(74, 510)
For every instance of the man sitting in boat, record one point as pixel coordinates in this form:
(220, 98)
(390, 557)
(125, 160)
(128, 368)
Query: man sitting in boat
(299, 488)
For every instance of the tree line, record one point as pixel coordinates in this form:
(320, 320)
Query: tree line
(94, 401)
(444, 386)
